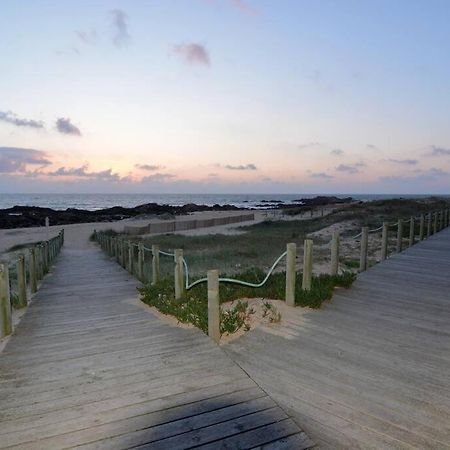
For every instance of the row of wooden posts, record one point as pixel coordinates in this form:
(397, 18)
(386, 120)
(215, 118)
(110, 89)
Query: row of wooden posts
(30, 271)
(429, 224)
(124, 251)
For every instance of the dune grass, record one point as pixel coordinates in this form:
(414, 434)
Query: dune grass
(193, 307)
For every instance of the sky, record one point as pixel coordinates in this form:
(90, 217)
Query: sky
(225, 96)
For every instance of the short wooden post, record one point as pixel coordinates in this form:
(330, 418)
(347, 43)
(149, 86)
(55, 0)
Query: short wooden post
(384, 241)
(5, 302)
(155, 264)
(124, 254)
(130, 257)
(411, 232)
(364, 247)
(435, 223)
(422, 227)
(179, 274)
(21, 282)
(429, 225)
(442, 225)
(291, 255)
(335, 241)
(307, 264)
(213, 305)
(33, 270)
(141, 261)
(399, 235)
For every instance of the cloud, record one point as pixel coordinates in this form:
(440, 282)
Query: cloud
(322, 175)
(192, 54)
(309, 144)
(241, 167)
(372, 147)
(243, 6)
(16, 160)
(10, 117)
(157, 177)
(65, 126)
(121, 36)
(422, 175)
(439, 151)
(148, 167)
(349, 168)
(409, 162)
(87, 37)
(337, 152)
(82, 172)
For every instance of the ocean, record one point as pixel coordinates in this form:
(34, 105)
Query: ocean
(99, 201)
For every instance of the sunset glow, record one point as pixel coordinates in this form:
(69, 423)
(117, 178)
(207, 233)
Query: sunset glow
(222, 96)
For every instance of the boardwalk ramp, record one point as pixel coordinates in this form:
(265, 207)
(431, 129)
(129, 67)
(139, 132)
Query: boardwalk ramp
(370, 370)
(91, 367)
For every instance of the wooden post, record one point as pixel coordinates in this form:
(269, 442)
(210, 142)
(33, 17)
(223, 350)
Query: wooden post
(400, 236)
(179, 274)
(384, 241)
(141, 261)
(364, 246)
(307, 264)
(155, 264)
(442, 226)
(411, 232)
(22, 281)
(130, 257)
(422, 227)
(429, 225)
(335, 241)
(124, 253)
(213, 305)
(5, 302)
(435, 223)
(33, 270)
(291, 255)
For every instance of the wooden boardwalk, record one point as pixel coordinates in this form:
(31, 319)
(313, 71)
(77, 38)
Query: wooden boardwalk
(370, 370)
(90, 367)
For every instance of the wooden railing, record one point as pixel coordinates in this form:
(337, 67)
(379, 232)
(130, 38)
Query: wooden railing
(20, 279)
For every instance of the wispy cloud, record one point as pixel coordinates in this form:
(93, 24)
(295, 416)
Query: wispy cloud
(65, 126)
(16, 159)
(408, 162)
(87, 37)
(121, 37)
(243, 6)
(438, 151)
(372, 147)
(349, 168)
(157, 177)
(432, 174)
(309, 144)
(337, 152)
(11, 118)
(148, 167)
(321, 175)
(192, 54)
(83, 172)
(250, 166)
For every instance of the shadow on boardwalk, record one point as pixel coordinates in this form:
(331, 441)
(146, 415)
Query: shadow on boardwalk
(90, 366)
(371, 370)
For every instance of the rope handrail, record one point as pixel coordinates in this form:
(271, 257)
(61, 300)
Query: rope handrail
(166, 253)
(374, 230)
(233, 280)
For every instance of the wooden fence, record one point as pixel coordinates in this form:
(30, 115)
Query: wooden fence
(132, 257)
(183, 225)
(19, 280)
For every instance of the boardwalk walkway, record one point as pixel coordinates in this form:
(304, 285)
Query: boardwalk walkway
(371, 370)
(90, 367)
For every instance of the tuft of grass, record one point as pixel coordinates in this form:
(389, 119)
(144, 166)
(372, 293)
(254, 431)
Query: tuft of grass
(193, 306)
